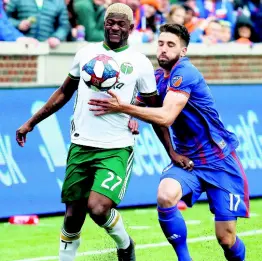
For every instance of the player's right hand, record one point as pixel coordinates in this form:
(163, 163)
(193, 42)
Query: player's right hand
(182, 161)
(133, 126)
(21, 134)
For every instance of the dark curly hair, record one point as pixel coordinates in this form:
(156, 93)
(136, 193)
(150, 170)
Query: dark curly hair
(178, 30)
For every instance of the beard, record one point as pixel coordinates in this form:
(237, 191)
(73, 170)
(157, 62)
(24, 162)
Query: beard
(167, 64)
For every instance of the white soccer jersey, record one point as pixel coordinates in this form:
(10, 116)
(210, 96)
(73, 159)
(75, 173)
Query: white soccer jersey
(111, 130)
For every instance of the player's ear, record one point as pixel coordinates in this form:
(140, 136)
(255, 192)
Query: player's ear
(131, 28)
(183, 52)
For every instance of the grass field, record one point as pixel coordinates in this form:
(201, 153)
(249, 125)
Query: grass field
(39, 243)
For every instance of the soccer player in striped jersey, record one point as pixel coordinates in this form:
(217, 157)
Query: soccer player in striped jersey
(198, 133)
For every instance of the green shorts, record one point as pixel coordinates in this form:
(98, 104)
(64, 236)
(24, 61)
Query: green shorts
(106, 171)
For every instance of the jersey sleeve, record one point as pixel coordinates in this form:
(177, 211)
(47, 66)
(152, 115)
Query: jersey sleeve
(146, 84)
(182, 79)
(140, 99)
(157, 75)
(74, 72)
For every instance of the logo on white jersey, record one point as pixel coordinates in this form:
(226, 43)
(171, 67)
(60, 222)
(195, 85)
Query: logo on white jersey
(126, 68)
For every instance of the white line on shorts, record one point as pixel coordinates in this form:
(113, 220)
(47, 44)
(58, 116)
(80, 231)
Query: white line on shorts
(145, 246)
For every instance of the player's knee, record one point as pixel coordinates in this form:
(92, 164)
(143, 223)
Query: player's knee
(99, 207)
(169, 193)
(167, 198)
(226, 233)
(98, 210)
(226, 240)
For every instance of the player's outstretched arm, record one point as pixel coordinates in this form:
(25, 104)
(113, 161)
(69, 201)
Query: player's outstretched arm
(165, 116)
(57, 100)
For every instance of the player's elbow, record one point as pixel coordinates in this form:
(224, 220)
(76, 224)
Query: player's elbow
(167, 123)
(166, 120)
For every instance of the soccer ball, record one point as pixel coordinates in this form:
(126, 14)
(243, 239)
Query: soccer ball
(101, 72)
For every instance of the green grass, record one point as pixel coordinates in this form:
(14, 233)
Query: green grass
(23, 242)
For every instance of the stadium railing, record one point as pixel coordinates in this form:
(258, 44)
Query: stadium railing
(220, 63)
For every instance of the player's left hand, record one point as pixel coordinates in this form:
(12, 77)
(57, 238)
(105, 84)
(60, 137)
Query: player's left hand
(133, 126)
(182, 161)
(22, 132)
(104, 106)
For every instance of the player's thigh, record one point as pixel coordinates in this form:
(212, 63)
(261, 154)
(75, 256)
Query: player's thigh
(185, 185)
(228, 195)
(113, 172)
(79, 177)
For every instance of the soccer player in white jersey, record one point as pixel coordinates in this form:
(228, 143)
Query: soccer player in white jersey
(101, 153)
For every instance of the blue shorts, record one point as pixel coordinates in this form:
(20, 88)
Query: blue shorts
(224, 182)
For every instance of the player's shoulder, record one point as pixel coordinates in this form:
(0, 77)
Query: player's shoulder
(135, 52)
(159, 73)
(184, 62)
(89, 47)
(186, 68)
(140, 57)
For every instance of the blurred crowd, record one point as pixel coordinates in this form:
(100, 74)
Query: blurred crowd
(54, 21)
